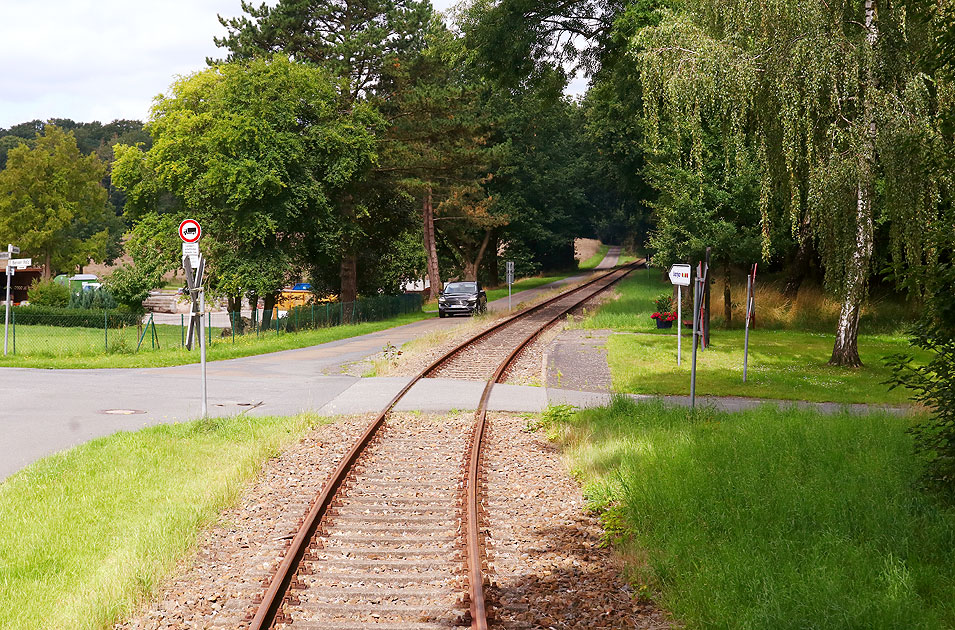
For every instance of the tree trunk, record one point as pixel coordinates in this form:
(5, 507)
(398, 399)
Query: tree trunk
(800, 265)
(845, 352)
(47, 271)
(727, 297)
(234, 308)
(269, 307)
(349, 292)
(493, 269)
(430, 246)
(470, 268)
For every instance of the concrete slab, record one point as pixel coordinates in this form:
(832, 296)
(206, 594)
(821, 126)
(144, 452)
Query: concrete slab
(577, 360)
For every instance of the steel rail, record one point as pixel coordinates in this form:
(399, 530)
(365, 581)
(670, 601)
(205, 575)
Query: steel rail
(269, 608)
(473, 543)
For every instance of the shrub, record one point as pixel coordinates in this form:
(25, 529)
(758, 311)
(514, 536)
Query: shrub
(664, 303)
(933, 384)
(48, 293)
(72, 317)
(130, 284)
(96, 299)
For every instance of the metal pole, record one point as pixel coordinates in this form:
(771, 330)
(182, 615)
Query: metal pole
(749, 288)
(202, 349)
(508, 296)
(697, 284)
(182, 330)
(106, 330)
(679, 322)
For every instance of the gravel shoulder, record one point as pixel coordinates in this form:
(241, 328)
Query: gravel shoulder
(548, 565)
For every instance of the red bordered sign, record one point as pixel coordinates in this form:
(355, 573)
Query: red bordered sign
(189, 231)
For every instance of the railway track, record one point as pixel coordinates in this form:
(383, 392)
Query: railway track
(395, 539)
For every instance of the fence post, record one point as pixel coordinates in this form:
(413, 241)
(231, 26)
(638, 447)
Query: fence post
(182, 330)
(209, 326)
(233, 325)
(13, 320)
(106, 330)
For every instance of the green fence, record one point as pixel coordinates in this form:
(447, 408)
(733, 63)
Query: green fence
(47, 332)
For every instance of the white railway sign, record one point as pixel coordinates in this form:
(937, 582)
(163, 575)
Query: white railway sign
(680, 275)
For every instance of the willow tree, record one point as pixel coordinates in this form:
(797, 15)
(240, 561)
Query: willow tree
(830, 97)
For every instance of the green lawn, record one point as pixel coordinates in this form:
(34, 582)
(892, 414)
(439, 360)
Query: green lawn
(58, 347)
(525, 284)
(87, 534)
(783, 364)
(594, 260)
(768, 519)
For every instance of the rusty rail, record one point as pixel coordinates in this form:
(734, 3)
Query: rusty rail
(269, 610)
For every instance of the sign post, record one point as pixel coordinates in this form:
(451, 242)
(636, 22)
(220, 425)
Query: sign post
(750, 314)
(8, 255)
(679, 277)
(509, 265)
(192, 261)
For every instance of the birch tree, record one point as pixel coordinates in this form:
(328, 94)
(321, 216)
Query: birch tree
(822, 93)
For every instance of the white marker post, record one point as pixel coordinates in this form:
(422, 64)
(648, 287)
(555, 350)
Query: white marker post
(680, 277)
(190, 232)
(7, 255)
(509, 265)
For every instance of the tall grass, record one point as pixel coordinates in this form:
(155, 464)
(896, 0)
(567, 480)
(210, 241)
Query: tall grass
(773, 518)
(86, 534)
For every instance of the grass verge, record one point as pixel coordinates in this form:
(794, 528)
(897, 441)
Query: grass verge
(84, 356)
(86, 534)
(594, 260)
(785, 361)
(770, 518)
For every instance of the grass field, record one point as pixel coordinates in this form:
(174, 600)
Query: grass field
(57, 347)
(768, 519)
(86, 534)
(785, 361)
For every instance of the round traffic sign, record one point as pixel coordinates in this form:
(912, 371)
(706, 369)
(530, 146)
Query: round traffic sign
(189, 231)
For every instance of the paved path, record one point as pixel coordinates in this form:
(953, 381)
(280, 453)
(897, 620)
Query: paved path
(45, 411)
(610, 260)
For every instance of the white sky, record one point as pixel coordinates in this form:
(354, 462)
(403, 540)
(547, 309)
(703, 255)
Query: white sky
(102, 59)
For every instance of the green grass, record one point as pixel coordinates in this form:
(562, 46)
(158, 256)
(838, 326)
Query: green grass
(769, 519)
(525, 284)
(785, 361)
(55, 347)
(783, 364)
(86, 534)
(594, 260)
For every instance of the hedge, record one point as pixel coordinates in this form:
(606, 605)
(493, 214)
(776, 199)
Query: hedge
(72, 317)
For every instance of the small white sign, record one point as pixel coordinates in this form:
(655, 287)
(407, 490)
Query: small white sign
(13, 249)
(20, 263)
(510, 272)
(191, 250)
(680, 275)
(5, 255)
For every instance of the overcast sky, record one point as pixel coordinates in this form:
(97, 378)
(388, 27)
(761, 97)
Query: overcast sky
(102, 59)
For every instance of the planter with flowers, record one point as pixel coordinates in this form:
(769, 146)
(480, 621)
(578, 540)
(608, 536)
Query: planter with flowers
(664, 320)
(664, 312)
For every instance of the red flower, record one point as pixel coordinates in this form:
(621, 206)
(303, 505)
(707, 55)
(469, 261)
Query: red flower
(655, 316)
(671, 317)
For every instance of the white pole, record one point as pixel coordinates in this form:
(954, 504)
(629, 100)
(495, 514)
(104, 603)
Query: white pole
(679, 322)
(202, 348)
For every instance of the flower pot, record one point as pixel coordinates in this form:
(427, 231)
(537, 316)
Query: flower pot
(664, 324)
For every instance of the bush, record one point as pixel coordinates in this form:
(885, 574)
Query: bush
(48, 293)
(933, 384)
(96, 299)
(72, 317)
(130, 284)
(664, 303)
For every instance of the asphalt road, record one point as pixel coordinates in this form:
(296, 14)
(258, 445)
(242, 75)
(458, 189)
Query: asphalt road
(46, 411)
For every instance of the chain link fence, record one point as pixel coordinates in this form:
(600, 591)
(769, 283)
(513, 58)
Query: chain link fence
(59, 332)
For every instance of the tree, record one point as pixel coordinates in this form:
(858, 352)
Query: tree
(257, 152)
(358, 42)
(50, 195)
(821, 94)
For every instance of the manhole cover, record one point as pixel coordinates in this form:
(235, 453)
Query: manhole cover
(122, 412)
